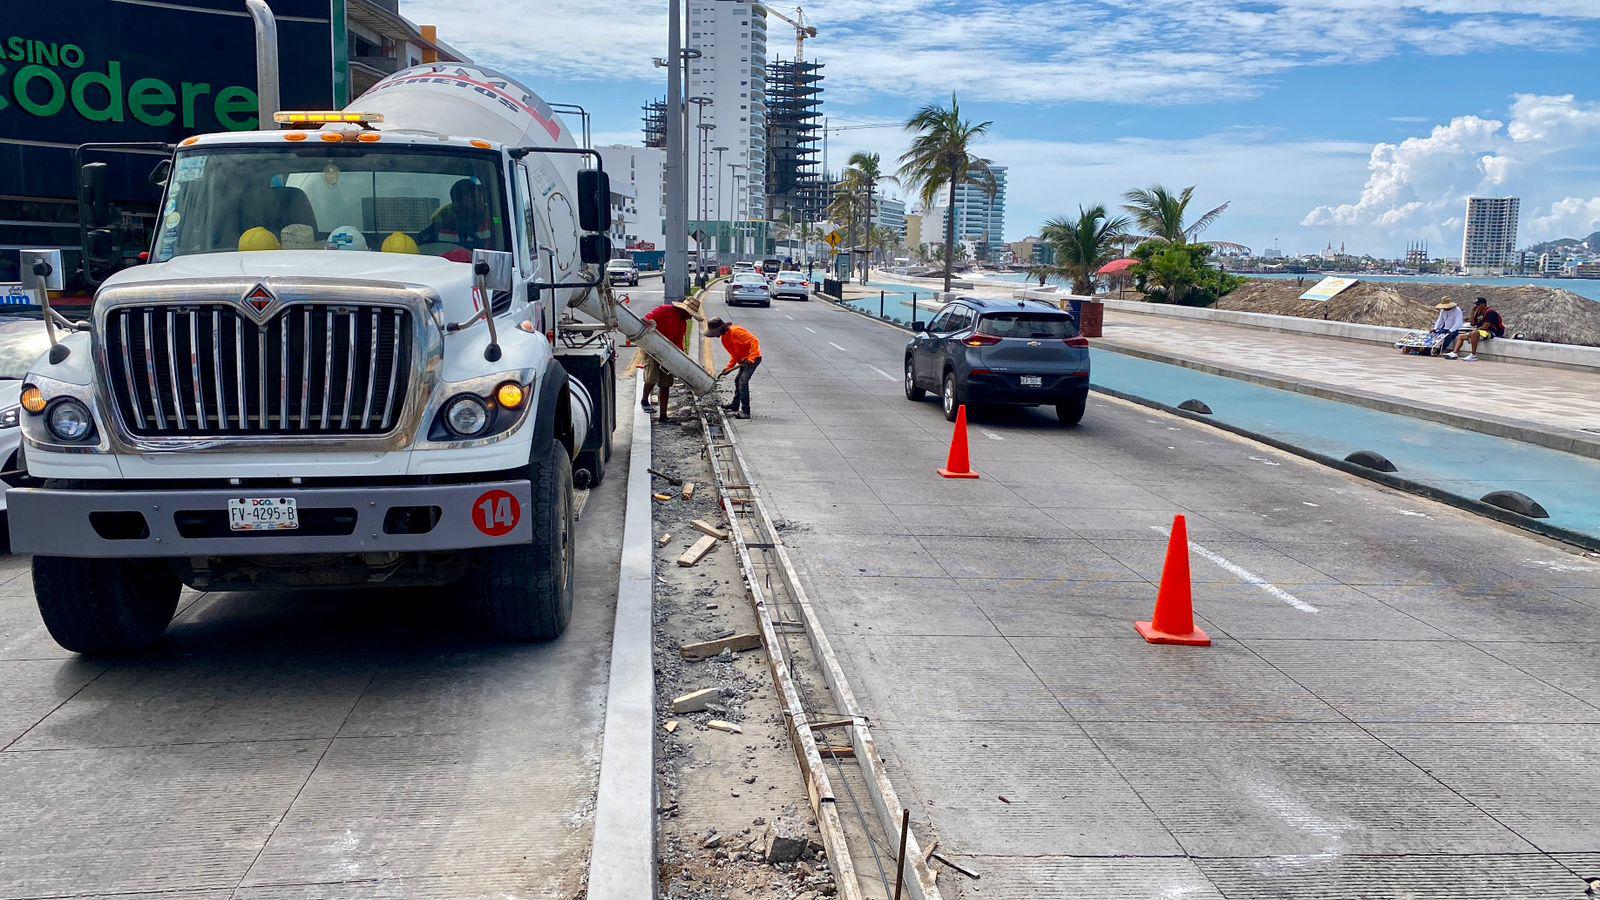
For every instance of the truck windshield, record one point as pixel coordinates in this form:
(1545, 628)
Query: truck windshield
(436, 201)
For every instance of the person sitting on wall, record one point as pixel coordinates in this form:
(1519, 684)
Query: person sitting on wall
(1447, 326)
(1486, 325)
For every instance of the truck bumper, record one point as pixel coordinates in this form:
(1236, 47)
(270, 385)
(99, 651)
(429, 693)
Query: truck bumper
(182, 523)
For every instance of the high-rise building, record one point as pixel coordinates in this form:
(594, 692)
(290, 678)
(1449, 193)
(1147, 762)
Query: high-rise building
(639, 173)
(890, 213)
(731, 70)
(980, 218)
(1489, 241)
(654, 115)
(794, 130)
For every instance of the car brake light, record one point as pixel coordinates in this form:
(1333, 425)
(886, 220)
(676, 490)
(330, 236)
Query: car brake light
(980, 372)
(1079, 342)
(981, 340)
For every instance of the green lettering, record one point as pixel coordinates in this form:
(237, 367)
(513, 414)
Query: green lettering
(58, 91)
(234, 102)
(111, 83)
(14, 47)
(72, 56)
(146, 99)
(46, 53)
(190, 92)
(3, 101)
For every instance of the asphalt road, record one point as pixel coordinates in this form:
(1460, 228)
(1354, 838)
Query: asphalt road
(1400, 700)
(308, 745)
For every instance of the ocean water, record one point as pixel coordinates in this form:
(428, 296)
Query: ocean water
(1583, 287)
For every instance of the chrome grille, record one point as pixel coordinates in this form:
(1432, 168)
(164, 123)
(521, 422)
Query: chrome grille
(208, 369)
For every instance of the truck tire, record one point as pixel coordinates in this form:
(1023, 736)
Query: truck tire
(526, 589)
(105, 606)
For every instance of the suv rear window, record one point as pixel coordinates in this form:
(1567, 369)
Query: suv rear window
(1027, 325)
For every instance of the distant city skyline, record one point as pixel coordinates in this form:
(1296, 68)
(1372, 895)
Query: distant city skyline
(1359, 122)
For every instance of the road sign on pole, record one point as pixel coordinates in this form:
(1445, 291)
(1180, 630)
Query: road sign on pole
(834, 240)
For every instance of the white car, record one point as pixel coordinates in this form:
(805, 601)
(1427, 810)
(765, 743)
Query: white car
(622, 271)
(22, 341)
(790, 284)
(748, 287)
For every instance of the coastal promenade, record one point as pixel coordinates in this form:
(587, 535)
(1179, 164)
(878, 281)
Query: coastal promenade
(1505, 398)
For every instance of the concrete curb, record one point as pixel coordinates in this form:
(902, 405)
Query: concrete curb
(622, 858)
(1565, 535)
(1562, 439)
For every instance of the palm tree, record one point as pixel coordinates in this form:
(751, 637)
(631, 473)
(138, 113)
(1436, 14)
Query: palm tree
(867, 169)
(1160, 214)
(941, 158)
(1083, 245)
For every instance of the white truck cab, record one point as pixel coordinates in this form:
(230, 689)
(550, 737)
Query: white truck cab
(352, 359)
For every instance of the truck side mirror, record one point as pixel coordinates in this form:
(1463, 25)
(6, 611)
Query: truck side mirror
(159, 175)
(97, 245)
(594, 201)
(595, 249)
(495, 267)
(92, 194)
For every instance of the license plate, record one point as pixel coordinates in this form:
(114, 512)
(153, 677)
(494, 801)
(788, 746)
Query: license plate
(263, 514)
(1033, 381)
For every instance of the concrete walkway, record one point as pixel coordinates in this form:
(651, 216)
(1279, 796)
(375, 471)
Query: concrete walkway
(1398, 702)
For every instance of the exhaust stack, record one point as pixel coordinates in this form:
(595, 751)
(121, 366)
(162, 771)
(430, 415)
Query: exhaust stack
(267, 95)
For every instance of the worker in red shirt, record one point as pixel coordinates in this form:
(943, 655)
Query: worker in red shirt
(672, 321)
(744, 354)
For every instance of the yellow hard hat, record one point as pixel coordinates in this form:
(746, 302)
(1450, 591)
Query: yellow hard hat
(399, 242)
(258, 238)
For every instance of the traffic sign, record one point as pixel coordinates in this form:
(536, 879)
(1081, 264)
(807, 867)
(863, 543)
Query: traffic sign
(834, 240)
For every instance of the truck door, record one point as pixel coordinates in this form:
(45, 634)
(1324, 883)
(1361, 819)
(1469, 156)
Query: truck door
(537, 262)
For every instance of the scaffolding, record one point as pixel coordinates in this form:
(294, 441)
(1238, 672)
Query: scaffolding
(655, 124)
(794, 130)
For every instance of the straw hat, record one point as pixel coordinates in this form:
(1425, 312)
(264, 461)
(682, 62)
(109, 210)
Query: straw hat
(691, 306)
(1445, 304)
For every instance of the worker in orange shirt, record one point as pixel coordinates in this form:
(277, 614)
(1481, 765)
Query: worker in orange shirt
(744, 354)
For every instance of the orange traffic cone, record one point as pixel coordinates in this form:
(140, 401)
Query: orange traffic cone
(958, 466)
(1173, 622)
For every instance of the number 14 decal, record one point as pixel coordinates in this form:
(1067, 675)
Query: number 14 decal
(496, 513)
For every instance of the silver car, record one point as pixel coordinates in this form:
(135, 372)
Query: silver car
(790, 284)
(748, 287)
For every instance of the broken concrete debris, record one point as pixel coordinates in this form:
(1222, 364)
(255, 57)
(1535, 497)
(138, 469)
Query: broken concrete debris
(783, 841)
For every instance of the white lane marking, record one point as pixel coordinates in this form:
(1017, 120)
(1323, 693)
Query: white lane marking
(1307, 503)
(883, 373)
(837, 347)
(809, 328)
(1246, 575)
(990, 435)
(1265, 461)
(789, 317)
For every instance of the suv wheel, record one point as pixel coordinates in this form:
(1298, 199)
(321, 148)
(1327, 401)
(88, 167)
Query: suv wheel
(913, 393)
(1070, 412)
(952, 396)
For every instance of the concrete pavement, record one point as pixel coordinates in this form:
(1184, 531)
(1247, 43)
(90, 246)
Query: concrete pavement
(1424, 732)
(309, 745)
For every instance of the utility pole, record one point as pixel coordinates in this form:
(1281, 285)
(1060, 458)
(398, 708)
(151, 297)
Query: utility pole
(720, 220)
(675, 277)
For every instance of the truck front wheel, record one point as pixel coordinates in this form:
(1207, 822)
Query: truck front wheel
(526, 589)
(105, 606)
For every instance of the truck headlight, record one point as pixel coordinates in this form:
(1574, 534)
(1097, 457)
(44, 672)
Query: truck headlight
(466, 416)
(69, 420)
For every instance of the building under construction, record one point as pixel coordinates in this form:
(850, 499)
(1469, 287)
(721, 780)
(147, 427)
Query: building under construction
(794, 132)
(655, 124)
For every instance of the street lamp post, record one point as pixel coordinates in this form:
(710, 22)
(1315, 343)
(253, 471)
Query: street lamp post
(675, 277)
(720, 151)
(700, 103)
(735, 208)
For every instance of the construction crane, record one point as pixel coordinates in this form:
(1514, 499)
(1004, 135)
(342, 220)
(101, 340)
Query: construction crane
(801, 30)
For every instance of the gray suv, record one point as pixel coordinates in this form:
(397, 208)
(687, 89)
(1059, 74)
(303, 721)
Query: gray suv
(1015, 352)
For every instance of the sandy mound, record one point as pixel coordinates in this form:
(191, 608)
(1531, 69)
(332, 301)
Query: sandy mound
(1538, 313)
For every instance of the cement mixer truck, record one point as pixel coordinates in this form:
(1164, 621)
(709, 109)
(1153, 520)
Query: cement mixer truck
(370, 347)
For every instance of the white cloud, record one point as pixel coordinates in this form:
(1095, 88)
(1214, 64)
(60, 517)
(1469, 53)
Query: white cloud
(1417, 188)
(1053, 51)
(1568, 217)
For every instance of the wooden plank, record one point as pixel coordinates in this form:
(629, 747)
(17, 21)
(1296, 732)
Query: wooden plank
(697, 552)
(828, 750)
(695, 701)
(688, 490)
(664, 540)
(707, 649)
(708, 529)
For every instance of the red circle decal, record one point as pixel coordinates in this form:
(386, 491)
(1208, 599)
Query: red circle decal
(496, 513)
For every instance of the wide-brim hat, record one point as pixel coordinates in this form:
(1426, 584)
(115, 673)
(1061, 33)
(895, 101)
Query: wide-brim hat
(690, 305)
(1445, 304)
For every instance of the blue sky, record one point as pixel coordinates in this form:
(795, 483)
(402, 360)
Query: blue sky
(1357, 122)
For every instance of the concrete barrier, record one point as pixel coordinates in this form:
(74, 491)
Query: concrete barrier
(1538, 353)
